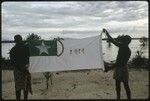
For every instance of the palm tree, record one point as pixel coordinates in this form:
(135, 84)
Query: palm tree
(32, 37)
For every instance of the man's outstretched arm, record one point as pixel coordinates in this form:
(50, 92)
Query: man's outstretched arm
(110, 38)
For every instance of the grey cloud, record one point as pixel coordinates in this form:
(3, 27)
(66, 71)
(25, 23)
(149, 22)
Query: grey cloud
(70, 14)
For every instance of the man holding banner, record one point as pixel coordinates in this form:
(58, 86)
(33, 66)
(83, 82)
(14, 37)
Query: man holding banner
(121, 70)
(19, 57)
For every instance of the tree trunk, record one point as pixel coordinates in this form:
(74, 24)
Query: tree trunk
(47, 84)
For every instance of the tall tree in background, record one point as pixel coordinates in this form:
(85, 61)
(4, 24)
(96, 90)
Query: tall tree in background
(32, 37)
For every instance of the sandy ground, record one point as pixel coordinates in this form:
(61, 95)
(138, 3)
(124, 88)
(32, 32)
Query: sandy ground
(93, 84)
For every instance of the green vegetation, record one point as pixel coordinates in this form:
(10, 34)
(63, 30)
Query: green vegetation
(32, 37)
(139, 62)
(6, 64)
(143, 41)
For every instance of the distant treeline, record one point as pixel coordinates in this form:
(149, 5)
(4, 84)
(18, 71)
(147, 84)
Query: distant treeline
(10, 41)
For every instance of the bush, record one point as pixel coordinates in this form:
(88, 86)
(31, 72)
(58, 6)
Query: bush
(139, 62)
(143, 41)
(6, 64)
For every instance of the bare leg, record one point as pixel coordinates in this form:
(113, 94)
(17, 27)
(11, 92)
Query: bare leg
(18, 94)
(25, 95)
(127, 88)
(118, 88)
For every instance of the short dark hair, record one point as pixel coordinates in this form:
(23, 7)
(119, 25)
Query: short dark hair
(18, 38)
(127, 39)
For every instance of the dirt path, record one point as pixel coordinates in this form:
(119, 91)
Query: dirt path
(94, 84)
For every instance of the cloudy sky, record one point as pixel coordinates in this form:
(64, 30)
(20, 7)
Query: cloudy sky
(75, 19)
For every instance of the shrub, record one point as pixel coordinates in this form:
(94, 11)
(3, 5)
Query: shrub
(139, 62)
(143, 41)
(6, 64)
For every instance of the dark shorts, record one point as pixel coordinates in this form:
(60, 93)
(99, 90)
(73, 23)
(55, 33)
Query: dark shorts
(22, 80)
(121, 74)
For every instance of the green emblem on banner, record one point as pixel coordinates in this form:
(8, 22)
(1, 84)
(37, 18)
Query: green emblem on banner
(43, 48)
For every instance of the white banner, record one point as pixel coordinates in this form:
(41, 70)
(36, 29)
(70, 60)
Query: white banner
(85, 53)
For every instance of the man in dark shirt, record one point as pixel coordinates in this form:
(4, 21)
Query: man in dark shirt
(121, 72)
(19, 57)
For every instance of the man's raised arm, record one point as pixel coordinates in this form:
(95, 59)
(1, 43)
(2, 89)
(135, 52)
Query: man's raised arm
(110, 38)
